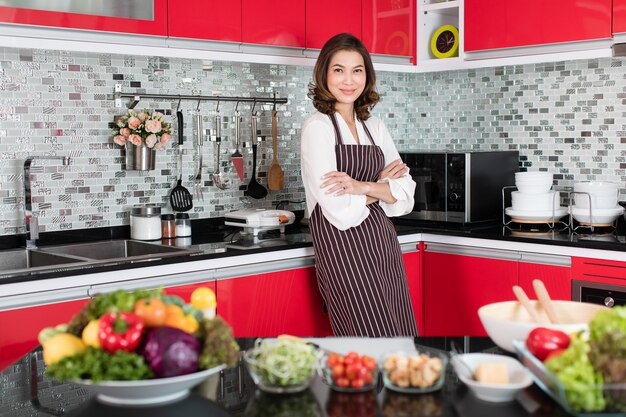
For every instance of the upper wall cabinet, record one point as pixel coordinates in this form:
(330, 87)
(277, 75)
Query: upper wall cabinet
(146, 17)
(326, 18)
(273, 22)
(389, 27)
(495, 24)
(619, 16)
(205, 19)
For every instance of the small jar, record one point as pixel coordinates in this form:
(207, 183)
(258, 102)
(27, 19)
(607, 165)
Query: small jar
(183, 225)
(168, 226)
(145, 222)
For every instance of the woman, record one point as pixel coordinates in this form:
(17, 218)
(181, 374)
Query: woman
(354, 179)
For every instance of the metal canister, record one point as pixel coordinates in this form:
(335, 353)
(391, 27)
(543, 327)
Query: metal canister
(145, 222)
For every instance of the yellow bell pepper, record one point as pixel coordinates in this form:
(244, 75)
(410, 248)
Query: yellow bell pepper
(175, 317)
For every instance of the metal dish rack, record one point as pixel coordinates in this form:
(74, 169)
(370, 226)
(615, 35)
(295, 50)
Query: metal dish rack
(591, 226)
(552, 224)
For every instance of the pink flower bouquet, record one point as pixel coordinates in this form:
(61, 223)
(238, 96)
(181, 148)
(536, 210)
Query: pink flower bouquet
(140, 128)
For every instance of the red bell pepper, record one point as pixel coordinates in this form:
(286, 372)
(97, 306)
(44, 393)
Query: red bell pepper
(542, 341)
(120, 331)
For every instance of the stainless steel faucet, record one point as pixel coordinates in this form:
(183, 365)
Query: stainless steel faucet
(32, 225)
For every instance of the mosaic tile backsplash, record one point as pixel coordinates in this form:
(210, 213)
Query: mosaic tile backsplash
(565, 117)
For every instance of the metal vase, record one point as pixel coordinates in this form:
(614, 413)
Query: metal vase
(140, 158)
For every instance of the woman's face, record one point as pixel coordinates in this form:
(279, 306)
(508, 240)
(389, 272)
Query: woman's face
(346, 76)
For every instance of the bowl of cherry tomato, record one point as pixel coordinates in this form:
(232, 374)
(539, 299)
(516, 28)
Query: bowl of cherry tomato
(349, 373)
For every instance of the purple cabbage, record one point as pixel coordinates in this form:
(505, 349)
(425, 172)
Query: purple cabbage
(170, 352)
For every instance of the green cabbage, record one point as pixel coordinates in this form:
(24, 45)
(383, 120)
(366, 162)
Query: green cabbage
(583, 385)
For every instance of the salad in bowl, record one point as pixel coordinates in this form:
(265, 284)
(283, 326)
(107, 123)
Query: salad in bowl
(140, 347)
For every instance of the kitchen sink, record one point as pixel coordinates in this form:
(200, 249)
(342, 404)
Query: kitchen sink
(24, 259)
(118, 250)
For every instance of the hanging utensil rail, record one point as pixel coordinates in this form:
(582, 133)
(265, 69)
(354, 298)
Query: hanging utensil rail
(136, 97)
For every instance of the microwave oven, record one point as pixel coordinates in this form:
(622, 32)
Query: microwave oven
(460, 187)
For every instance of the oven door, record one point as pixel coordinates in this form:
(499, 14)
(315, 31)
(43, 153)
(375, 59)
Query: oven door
(599, 293)
(429, 173)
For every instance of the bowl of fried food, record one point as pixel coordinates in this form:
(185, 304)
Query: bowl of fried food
(422, 371)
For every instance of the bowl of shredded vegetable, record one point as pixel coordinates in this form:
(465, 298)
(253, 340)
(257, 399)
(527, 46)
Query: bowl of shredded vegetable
(281, 366)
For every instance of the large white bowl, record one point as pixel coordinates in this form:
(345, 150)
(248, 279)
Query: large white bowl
(598, 216)
(508, 320)
(533, 174)
(597, 187)
(148, 391)
(519, 376)
(535, 202)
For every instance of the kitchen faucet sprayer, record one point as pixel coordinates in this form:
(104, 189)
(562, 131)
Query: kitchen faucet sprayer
(32, 230)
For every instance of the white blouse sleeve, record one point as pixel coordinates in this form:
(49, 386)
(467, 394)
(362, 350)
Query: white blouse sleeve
(403, 189)
(318, 158)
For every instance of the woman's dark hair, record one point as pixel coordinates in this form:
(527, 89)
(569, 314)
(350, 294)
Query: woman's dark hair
(323, 99)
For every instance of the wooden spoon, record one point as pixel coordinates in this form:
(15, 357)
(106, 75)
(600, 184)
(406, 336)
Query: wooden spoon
(275, 177)
(523, 299)
(546, 301)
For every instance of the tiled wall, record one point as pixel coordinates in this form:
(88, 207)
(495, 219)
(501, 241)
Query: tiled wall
(566, 117)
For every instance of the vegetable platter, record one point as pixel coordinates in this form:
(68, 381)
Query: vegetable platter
(584, 372)
(142, 347)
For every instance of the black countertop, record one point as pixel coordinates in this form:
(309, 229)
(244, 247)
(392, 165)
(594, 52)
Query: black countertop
(213, 239)
(233, 393)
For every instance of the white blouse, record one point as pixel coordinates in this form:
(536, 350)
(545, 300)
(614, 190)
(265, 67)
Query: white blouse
(318, 158)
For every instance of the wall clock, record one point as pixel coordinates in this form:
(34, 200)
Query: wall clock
(445, 42)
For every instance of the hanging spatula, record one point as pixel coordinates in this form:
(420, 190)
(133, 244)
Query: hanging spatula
(275, 176)
(180, 197)
(237, 157)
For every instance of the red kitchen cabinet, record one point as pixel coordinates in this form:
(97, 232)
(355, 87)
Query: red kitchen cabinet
(619, 16)
(389, 27)
(492, 24)
(21, 326)
(273, 22)
(557, 279)
(599, 270)
(326, 18)
(205, 19)
(456, 286)
(267, 305)
(413, 267)
(155, 26)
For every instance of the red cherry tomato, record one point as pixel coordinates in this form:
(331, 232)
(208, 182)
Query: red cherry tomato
(343, 382)
(334, 359)
(357, 383)
(337, 371)
(368, 362)
(541, 341)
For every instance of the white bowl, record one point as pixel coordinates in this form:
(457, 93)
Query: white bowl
(519, 376)
(598, 216)
(508, 320)
(535, 202)
(534, 188)
(597, 201)
(533, 174)
(148, 391)
(597, 187)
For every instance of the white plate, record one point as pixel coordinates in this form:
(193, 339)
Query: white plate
(543, 215)
(148, 391)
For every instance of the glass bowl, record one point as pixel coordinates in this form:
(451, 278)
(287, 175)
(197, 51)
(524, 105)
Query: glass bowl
(326, 373)
(415, 380)
(267, 380)
(614, 394)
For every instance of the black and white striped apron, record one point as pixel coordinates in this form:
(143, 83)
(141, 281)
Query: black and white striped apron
(360, 272)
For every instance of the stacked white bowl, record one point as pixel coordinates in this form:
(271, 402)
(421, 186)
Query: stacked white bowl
(603, 198)
(534, 200)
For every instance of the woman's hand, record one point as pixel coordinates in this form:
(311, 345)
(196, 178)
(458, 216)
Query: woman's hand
(395, 169)
(341, 183)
